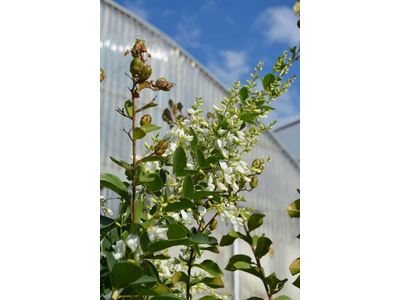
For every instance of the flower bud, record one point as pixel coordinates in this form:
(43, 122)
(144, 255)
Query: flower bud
(209, 115)
(214, 115)
(163, 84)
(136, 65)
(145, 73)
(171, 103)
(102, 76)
(208, 205)
(214, 224)
(161, 147)
(254, 182)
(179, 106)
(146, 119)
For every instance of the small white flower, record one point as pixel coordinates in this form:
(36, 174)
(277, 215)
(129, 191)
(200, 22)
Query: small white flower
(202, 211)
(158, 233)
(221, 131)
(221, 187)
(189, 220)
(133, 241)
(108, 211)
(119, 250)
(175, 216)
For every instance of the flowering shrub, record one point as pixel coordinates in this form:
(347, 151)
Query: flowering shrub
(196, 172)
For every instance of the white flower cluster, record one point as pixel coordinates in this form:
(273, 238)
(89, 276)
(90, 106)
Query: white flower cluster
(104, 208)
(133, 242)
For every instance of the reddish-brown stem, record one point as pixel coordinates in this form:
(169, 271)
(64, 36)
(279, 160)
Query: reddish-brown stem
(134, 155)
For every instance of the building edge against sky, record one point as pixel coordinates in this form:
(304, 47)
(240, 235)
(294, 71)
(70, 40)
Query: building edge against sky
(281, 177)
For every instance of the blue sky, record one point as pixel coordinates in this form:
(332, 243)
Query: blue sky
(230, 37)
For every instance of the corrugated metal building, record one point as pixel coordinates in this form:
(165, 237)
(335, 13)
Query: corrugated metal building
(281, 177)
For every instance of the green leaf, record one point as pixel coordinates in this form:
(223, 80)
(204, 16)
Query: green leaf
(268, 80)
(144, 85)
(147, 106)
(144, 279)
(296, 283)
(211, 249)
(232, 236)
(200, 158)
(185, 172)
(105, 222)
(211, 267)
(110, 261)
(204, 194)
(192, 133)
(298, 236)
(200, 238)
(294, 209)
(249, 117)
(283, 298)
(138, 133)
(124, 274)
(161, 289)
(243, 94)
(188, 186)
(180, 277)
(176, 231)
(207, 298)
(157, 184)
(212, 282)
(255, 298)
(180, 160)
(182, 204)
(149, 128)
(113, 183)
(154, 158)
(255, 221)
(129, 108)
(139, 210)
(154, 256)
(265, 107)
(263, 245)
(295, 267)
(237, 258)
(275, 284)
(167, 297)
(122, 164)
(110, 238)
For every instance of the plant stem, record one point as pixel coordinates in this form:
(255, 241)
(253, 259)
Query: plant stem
(192, 255)
(134, 154)
(258, 262)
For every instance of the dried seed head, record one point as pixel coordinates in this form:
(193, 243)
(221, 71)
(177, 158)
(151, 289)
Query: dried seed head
(146, 119)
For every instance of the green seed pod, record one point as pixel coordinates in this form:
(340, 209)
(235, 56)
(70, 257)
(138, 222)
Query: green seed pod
(171, 103)
(254, 182)
(145, 73)
(161, 147)
(196, 216)
(214, 224)
(215, 115)
(256, 163)
(179, 106)
(164, 117)
(102, 76)
(209, 115)
(175, 111)
(208, 205)
(146, 119)
(241, 184)
(136, 65)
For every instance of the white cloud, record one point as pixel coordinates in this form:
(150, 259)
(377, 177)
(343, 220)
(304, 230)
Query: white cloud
(231, 68)
(137, 7)
(278, 24)
(189, 32)
(208, 5)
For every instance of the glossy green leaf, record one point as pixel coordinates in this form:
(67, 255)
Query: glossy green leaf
(275, 284)
(237, 258)
(249, 117)
(111, 237)
(182, 204)
(129, 108)
(188, 186)
(122, 164)
(149, 128)
(201, 238)
(255, 221)
(139, 210)
(265, 107)
(147, 106)
(180, 160)
(243, 94)
(263, 245)
(232, 236)
(113, 183)
(207, 298)
(212, 282)
(138, 133)
(157, 184)
(176, 231)
(162, 289)
(211, 267)
(105, 222)
(167, 297)
(283, 298)
(124, 274)
(154, 158)
(211, 249)
(296, 283)
(268, 80)
(180, 277)
(201, 161)
(295, 266)
(294, 209)
(144, 279)
(255, 298)
(194, 141)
